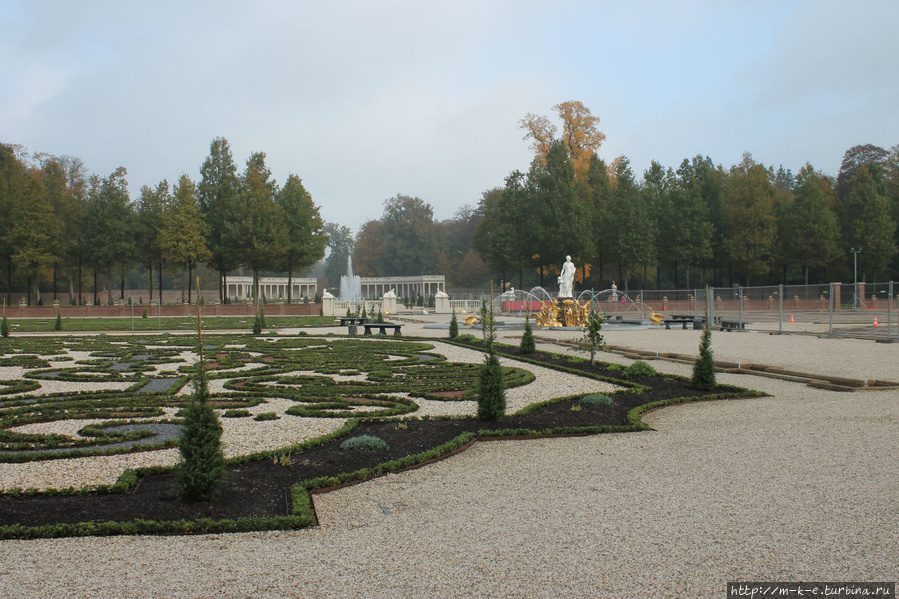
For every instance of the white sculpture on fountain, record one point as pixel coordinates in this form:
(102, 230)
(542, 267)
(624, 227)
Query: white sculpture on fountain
(566, 279)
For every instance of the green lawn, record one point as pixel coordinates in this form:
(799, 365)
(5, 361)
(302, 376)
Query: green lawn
(166, 323)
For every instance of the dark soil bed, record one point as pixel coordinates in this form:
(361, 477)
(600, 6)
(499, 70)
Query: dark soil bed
(262, 487)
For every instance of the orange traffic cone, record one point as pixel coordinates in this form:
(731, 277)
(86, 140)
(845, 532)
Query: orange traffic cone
(875, 322)
(791, 319)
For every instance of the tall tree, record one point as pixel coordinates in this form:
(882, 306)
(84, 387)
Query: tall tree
(34, 234)
(306, 239)
(340, 246)
(633, 226)
(750, 218)
(150, 220)
(108, 226)
(182, 238)
(872, 228)
(369, 248)
(599, 189)
(12, 187)
(411, 235)
(497, 237)
(561, 223)
(218, 192)
(810, 223)
(689, 226)
(580, 135)
(260, 235)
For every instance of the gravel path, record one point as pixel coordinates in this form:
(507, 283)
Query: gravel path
(802, 485)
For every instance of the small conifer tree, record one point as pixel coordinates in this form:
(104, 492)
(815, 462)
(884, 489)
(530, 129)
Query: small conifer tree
(257, 324)
(57, 326)
(454, 326)
(528, 344)
(364, 315)
(202, 467)
(592, 340)
(4, 327)
(491, 387)
(262, 318)
(704, 367)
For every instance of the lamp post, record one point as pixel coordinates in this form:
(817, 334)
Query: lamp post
(855, 252)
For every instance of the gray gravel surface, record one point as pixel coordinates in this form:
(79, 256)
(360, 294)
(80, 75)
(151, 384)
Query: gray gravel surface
(802, 485)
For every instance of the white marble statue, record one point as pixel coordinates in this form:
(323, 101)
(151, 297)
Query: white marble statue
(566, 279)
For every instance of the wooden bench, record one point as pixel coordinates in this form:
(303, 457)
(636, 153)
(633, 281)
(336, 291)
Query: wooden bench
(382, 328)
(733, 325)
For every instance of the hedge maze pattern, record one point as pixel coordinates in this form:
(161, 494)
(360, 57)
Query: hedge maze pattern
(324, 378)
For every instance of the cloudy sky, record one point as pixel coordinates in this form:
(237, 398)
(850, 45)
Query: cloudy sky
(364, 99)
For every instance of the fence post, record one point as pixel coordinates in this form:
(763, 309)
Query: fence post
(740, 289)
(710, 303)
(832, 286)
(780, 304)
(890, 312)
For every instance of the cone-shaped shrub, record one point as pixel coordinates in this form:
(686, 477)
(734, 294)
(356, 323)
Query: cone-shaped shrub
(57, 326)
(4, 327)
(454, 326)
(257, 325)
(491, 390)
(704, 367)
(202, 466)
(262, 318)
(528, 345)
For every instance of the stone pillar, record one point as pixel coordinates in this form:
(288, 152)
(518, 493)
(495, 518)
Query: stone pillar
(442, 303)
(388, 303)
(328, 303)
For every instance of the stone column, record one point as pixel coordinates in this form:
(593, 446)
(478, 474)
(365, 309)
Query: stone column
(442, 303)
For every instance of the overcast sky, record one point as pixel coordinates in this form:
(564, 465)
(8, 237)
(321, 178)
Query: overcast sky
(367, 99)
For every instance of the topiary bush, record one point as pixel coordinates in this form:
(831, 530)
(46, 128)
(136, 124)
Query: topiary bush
(528, 345)
(454, 326)
(364, 443)
(4, 327)
(263, 416)
(704, 367)
(491, 390)
(236, 414)
(638, 368)
(202, 466)
(57, 326)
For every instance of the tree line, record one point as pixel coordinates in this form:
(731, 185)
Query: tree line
(684, 227)
(61, 222)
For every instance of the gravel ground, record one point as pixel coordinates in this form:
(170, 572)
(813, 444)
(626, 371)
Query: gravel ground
(802, 485)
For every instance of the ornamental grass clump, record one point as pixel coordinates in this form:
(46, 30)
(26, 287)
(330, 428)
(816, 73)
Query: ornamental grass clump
(596, 399)
(704, 367)
(364, 443)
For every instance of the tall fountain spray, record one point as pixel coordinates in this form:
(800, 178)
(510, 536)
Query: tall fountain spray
(350, 284)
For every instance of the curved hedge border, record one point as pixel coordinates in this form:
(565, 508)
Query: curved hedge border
(302, 508)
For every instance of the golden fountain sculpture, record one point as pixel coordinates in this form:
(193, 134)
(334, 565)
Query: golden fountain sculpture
(563, 313)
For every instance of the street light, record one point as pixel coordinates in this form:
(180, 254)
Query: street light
(855, 252)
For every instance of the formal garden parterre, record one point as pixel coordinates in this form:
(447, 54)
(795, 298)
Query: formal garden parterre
(289, 405)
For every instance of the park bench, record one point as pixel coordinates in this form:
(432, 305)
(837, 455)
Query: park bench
(684, 319)
(733, 325)
(350, 320)
(382, 328)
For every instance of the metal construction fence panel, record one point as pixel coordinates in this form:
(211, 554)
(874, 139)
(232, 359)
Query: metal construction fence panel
(868, 310)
